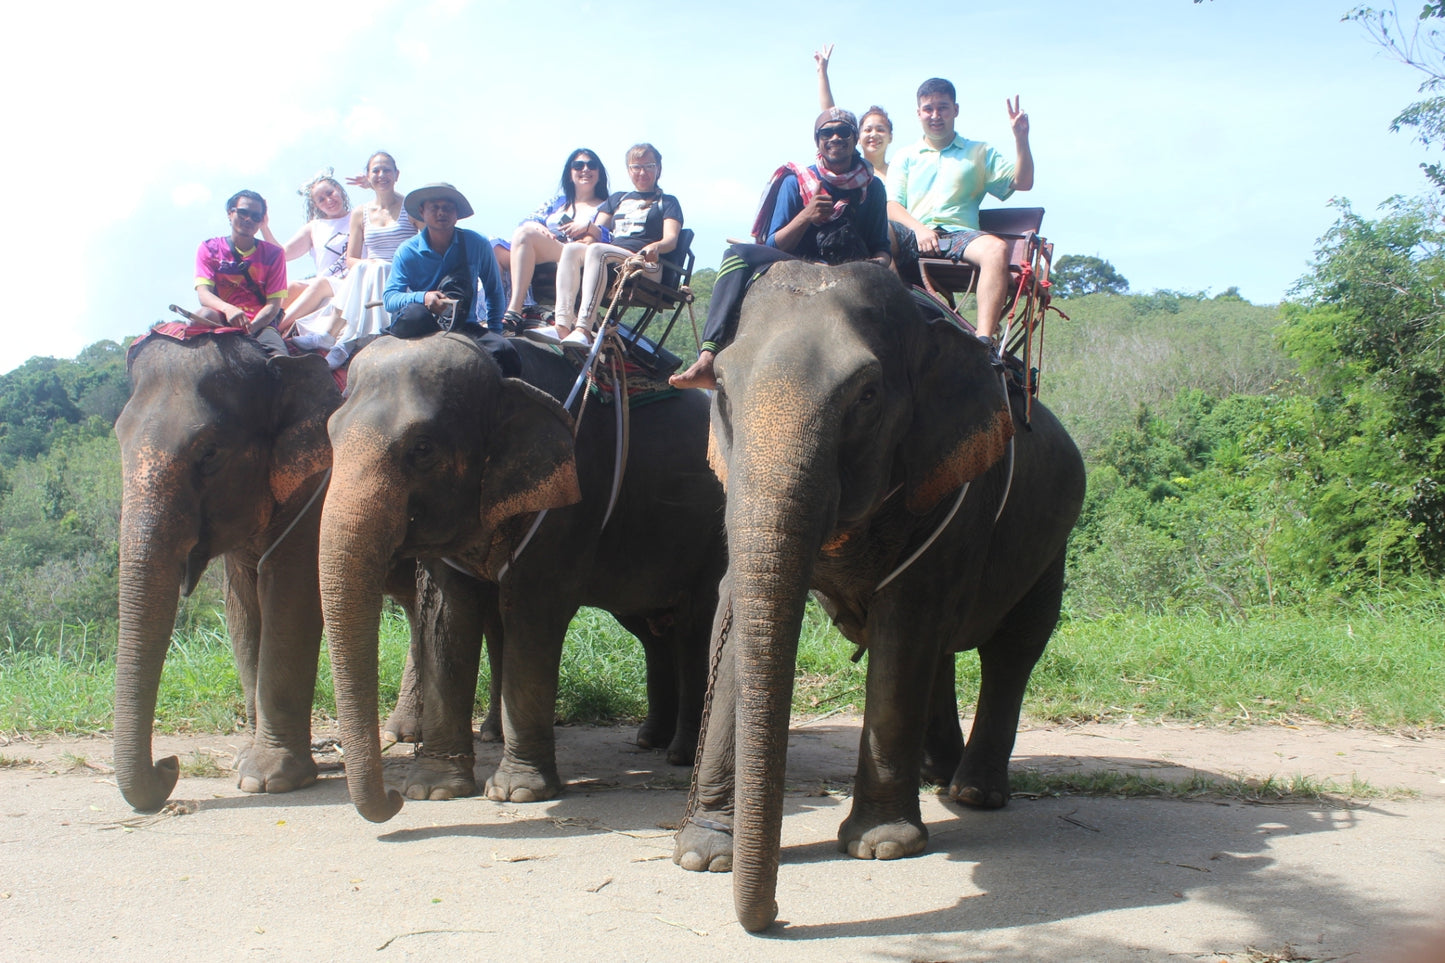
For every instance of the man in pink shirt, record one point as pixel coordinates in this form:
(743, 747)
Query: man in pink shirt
(240, 279)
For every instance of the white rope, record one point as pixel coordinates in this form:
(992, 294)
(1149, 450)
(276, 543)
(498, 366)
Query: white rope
(957, 504)
(299, 515)
(1009, 480)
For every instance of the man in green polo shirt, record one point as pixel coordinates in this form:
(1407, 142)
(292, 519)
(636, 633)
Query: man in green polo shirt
(935, 185)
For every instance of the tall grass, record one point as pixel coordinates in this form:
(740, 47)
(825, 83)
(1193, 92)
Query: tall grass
(1381, 666)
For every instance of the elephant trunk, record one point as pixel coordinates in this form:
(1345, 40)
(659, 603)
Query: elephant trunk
(362, 525)
(773, 537)
(154, 544)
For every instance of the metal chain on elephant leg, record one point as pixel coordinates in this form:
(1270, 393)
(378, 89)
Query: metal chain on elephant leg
(712, 672)
(419, 751)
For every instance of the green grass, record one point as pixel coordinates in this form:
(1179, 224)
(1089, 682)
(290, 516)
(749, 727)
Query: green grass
(1376, 667)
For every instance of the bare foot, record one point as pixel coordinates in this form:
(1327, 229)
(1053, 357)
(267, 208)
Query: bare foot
(700, 375)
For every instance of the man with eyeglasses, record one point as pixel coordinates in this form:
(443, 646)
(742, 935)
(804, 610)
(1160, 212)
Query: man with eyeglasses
(934, 188)
(240, 279)
(830, 212)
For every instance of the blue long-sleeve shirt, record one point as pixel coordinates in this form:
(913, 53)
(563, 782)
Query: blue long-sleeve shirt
(417, 269)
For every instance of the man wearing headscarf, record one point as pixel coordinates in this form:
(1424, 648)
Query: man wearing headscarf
(831, 212)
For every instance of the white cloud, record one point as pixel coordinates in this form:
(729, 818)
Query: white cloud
(190, 194)
(417, 52)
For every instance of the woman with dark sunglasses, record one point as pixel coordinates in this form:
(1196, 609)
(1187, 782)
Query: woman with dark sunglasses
(565, 218)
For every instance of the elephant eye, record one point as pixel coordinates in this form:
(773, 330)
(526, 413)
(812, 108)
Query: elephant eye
(868, 395)
(209, 461)
(422, 451)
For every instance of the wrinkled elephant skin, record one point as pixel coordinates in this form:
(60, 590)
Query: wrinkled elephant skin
(845, 425)
(440, 457)
(222, 449)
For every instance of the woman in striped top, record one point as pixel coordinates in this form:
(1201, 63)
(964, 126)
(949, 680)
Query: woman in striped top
(377, 230)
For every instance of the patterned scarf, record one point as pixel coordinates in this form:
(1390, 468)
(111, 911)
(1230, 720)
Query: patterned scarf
(810, 182)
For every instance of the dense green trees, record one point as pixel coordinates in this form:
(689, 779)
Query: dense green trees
(1242, 456)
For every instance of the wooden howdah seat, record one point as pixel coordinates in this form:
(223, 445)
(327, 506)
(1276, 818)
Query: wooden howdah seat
(648, 297)
(662, 295)
(1030, 257)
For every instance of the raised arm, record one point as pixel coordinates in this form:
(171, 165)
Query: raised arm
(825, 90)
(356, 244)
(298, 245)
(1024, 168)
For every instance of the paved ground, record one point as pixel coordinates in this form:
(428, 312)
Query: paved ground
(588, 876)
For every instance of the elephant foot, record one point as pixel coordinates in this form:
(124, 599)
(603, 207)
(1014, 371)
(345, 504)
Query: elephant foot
(404, 725)
(864, 838)
(491, 728)
(940, 762)
(512, 783)
(654, 733)
(942, 751)
(682, 751)
(274, 769)
(704, 844)
(980, 787)
(437, 778)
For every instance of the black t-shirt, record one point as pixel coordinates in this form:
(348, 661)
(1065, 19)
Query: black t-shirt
(637, 218)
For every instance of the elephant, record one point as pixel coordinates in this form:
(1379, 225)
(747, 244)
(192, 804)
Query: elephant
(440, 457)
(850, 431)
(223, 453)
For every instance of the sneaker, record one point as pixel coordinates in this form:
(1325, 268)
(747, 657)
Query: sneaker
(337, 357)
(578, 336)
(308, 341)
(547, 334)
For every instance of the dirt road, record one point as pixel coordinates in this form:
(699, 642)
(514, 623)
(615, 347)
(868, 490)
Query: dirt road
(226, 876)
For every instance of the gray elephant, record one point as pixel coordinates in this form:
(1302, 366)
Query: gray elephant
(845, 428)
(438, 456)
(222, 452)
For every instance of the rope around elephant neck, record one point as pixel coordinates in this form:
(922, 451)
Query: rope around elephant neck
(325, 477)
(608, 334)
(958, 502)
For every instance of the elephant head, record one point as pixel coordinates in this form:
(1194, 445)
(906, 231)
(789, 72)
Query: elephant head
(435, 452)
(835, 396)
(220, 447)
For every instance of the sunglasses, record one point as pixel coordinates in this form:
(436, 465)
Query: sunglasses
(250, 214)
(841, 130)
(639, 168)
(586, 165)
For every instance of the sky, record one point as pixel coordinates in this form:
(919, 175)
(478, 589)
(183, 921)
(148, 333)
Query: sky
(1194, 146)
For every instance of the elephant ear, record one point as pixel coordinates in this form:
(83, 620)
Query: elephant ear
(306, 396)
(531, 461)
(961, 418)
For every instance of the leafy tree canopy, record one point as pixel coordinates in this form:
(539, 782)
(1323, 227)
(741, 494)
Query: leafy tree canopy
(1074, 276)
(1418, 44)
